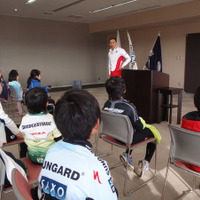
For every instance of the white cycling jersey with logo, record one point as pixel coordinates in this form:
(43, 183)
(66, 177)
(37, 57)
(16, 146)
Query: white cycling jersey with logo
(73, 172)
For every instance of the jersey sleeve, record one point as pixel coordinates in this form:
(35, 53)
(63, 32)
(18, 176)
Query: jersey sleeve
(8, 122)
(135, 120)
(127, 57)
(101, 186)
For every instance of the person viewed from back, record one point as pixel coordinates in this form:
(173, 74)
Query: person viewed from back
(16, 91)
(116, 89)
(13, 79)
(11, 130)
(38, 126)
(71, 171)
(191, 120)
(5, 88)
(35, 79)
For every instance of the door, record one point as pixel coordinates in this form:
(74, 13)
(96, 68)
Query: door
(192, 63)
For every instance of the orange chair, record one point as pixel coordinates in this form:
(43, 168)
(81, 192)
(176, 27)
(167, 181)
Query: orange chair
(33, 170)
(21, 188)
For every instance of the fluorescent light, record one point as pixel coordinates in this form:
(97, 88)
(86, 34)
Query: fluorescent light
(30, 1)
(112, 6)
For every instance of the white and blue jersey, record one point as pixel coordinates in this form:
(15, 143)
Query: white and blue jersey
(72, 172)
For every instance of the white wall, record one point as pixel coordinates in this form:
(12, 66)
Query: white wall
(173, 44)
(63, 51)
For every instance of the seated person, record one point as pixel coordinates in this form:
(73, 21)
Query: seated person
(191, 120)
(13, 79)
(34, 81)
(5, 91)
(17, 163)
(38, 126)
(14, 83)
(11, 130)
(116, 89)
(70, 165)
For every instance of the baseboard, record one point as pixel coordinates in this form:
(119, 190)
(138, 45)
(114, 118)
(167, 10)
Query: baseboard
(84, 86)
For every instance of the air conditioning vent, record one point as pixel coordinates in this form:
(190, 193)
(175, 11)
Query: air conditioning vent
(68, 5)
(47, 13)
(135, 11)
(75, 16)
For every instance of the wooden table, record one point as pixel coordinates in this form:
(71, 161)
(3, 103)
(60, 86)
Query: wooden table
(168, 104)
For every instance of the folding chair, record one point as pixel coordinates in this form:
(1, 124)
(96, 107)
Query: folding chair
(33, 170)
(21, 188)
(184, 150)
(115, 128)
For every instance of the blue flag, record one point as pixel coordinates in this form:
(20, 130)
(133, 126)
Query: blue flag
(154, 61)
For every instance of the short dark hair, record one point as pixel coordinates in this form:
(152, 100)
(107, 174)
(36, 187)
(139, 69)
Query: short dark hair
(113, 38)
(13, 75)
(36, 100)
(76, 114)
(197, 99)
(115, 87)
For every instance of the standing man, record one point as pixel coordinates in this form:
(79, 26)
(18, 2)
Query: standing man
(116, 56)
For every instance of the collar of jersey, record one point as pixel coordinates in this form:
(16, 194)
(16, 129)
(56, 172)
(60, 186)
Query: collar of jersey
(83, 143)
(38, 114)
(114, 49)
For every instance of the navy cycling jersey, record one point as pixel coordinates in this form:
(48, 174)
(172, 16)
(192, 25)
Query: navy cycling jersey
(122, 106)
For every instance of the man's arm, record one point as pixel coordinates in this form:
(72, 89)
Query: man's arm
(108, 64)
(9, 122)
(127, 57)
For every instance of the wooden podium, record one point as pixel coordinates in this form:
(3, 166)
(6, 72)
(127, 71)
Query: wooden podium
(141, 90)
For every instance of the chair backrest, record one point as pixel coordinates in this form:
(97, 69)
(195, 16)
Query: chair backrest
(21, 187)
(117, 126)
(185, 145)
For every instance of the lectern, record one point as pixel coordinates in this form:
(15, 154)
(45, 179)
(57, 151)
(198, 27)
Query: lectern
(141, 90)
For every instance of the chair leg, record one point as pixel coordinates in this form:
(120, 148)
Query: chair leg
(102, 155)
(143, 184)
(165, 182)
(156, 151)
(190, 189)
(126, 174)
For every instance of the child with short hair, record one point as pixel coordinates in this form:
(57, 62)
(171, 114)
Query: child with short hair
(70, 164)
(38, 126)
(116, 89)
(191, 120)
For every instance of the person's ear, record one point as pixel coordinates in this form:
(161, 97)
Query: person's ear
(95, 128)
(125, 91)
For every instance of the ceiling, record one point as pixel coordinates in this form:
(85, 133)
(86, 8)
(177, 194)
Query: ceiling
(78, 10)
